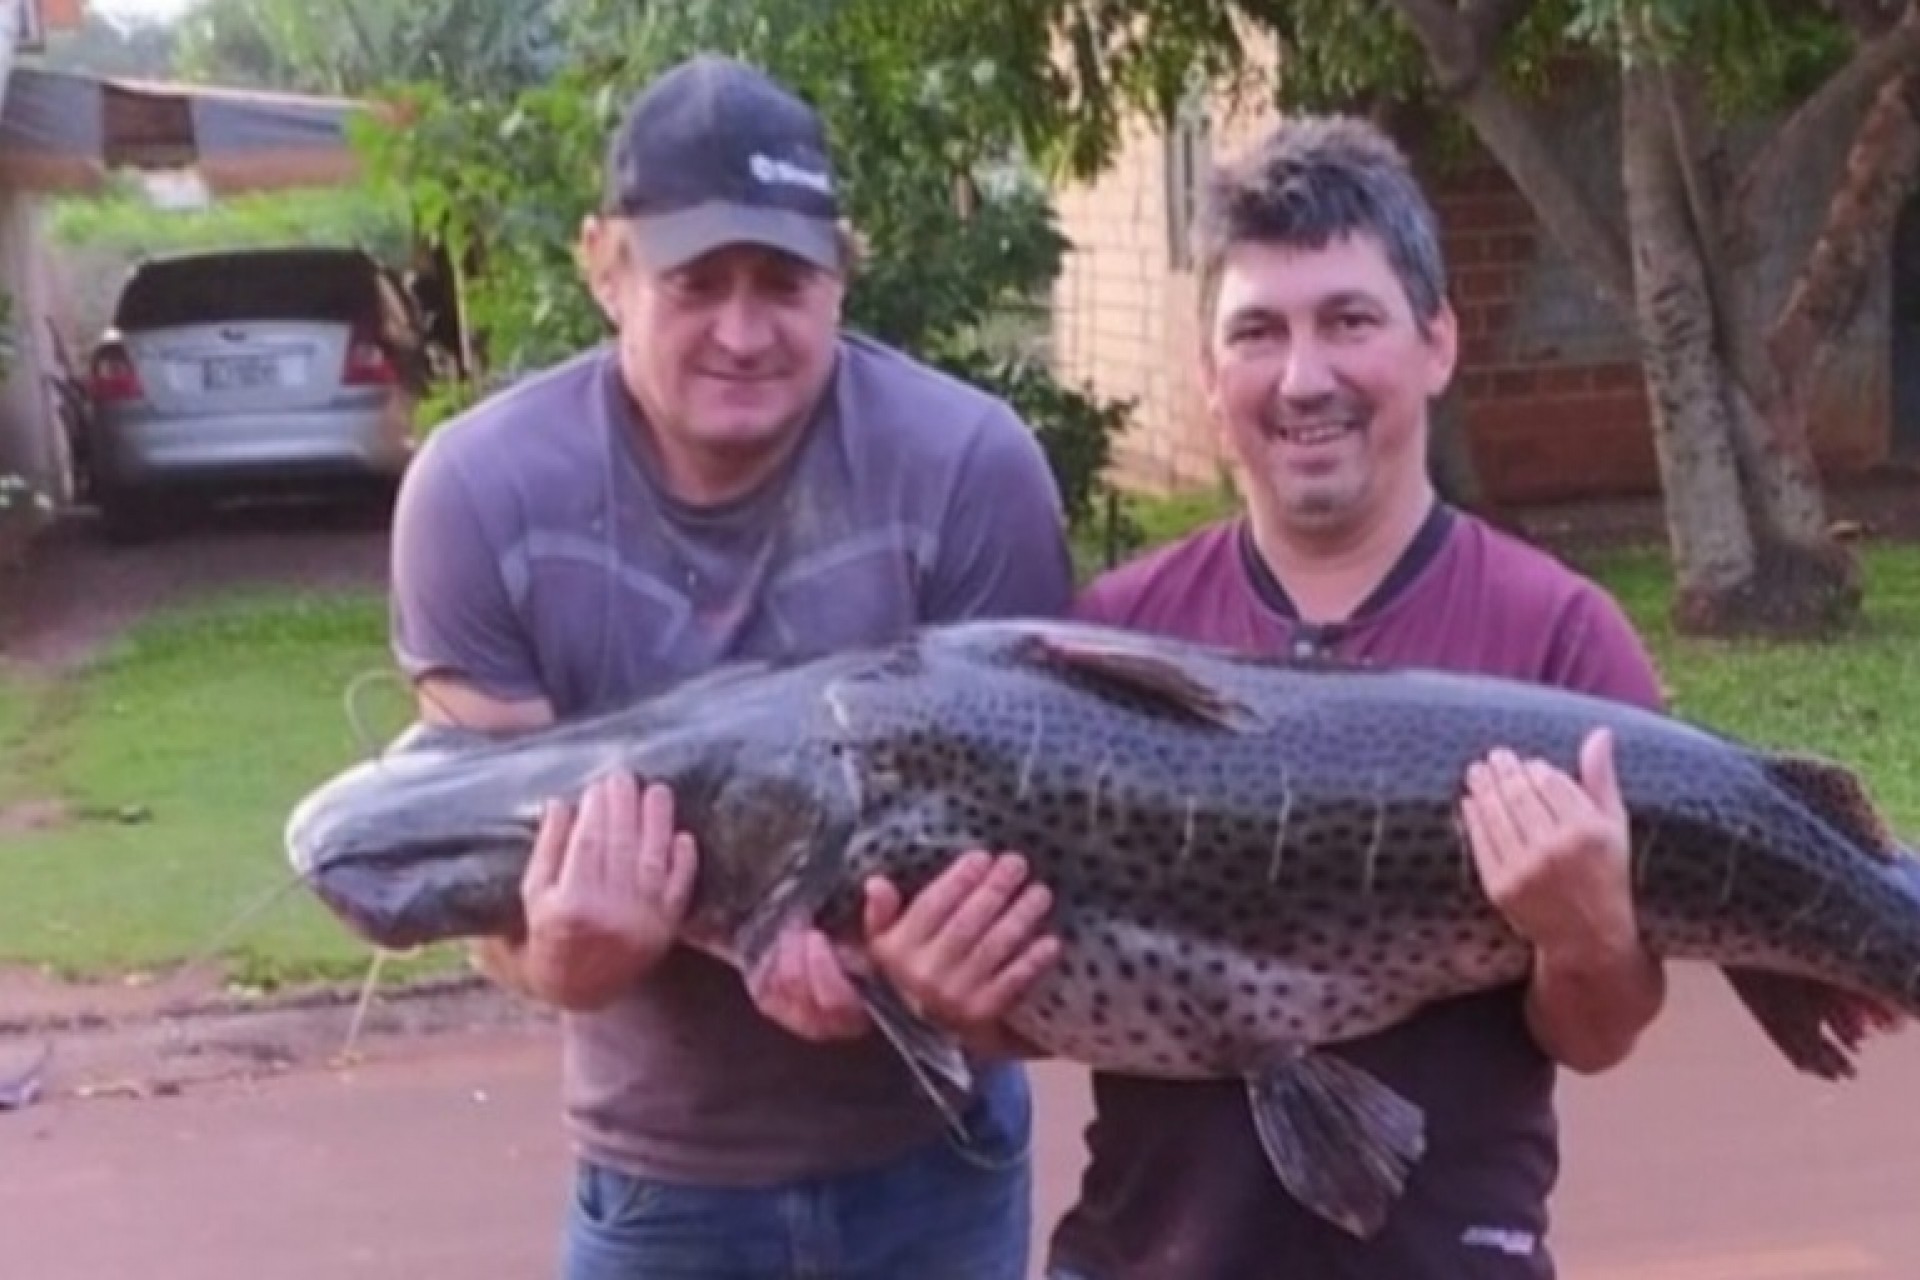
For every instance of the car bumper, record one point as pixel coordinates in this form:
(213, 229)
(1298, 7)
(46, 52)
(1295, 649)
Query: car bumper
(142, 451)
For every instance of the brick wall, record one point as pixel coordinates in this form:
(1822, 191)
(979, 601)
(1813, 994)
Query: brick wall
(1554, 402)
(1125, 316)
(1555, 405)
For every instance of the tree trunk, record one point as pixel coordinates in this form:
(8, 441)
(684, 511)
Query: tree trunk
(1745, 509)
(1728, 385)
(1706, 517)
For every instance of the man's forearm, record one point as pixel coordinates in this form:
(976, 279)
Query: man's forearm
(1588, 1011)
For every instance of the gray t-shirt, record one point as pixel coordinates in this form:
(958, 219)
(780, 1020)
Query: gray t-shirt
(535, 554)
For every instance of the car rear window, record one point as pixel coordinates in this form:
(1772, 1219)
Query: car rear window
(221, 289)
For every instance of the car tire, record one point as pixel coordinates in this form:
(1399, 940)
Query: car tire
(127, 520)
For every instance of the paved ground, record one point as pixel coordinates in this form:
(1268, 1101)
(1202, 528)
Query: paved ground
(438, 1157)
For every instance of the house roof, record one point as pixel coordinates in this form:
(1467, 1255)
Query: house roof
(66, 131)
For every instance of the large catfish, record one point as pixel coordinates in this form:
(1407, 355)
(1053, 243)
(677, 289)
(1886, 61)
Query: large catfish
(1251, 859)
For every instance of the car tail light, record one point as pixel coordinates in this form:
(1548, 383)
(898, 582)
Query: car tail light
(367, 363)
(114, 379)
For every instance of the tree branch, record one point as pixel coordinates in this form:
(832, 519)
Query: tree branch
(1865, 17)
(1881, 167)
(1491, 20)
(1514, 138)
(1847, 94)
(1700, 155)
(1453, 47)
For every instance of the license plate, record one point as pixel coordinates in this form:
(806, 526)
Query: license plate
(241, 373)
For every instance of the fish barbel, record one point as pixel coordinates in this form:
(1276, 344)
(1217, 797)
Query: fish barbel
(1250, 858)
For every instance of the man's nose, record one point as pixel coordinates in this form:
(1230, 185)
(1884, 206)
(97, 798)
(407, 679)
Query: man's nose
(743, 326)
(1308, 374)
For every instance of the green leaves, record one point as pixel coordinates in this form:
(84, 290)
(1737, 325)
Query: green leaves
(355, 46)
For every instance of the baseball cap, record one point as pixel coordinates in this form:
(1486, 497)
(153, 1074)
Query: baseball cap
(713, 152)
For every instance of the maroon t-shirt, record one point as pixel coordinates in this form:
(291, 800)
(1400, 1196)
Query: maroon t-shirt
(1177, 1186)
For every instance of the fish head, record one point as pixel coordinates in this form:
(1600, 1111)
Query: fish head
(429, 840)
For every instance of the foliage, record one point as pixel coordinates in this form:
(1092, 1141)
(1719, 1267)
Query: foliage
(122, 223)
(110, 47)
(917, 118)
(1362, 54)
(352, 47)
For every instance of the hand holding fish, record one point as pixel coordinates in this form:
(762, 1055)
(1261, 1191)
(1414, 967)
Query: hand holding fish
(603, 905)
(1554, 857)
(968, 946)
(803, 986)
(1552, 852)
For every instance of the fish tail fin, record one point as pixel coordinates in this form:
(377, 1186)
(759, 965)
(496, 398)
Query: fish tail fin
(1818, 1026)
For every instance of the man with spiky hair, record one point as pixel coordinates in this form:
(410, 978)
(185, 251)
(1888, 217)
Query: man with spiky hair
(1327, 334)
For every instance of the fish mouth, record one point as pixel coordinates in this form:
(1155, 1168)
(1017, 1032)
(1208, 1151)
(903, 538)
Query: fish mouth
(427, 891)
(398, 887)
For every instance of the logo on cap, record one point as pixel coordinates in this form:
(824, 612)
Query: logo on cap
(768, 170)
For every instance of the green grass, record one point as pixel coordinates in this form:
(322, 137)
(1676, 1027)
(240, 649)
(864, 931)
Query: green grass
(181, 752)
(16, 710)
(179, 756)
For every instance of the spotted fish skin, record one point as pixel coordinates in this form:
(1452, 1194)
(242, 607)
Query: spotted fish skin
(1289, 867)
(1250, 858)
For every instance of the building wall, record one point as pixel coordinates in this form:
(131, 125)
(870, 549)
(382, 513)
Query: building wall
(29, 443)
(1554, 402)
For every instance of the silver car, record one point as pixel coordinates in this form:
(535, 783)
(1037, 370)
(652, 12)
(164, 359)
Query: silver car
(246, 373)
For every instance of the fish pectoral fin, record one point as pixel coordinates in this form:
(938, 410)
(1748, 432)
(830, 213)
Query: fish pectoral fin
(1342, 1142)
(1138, 675)
(938, 1065)
(1837, 794)
(1816, 1025)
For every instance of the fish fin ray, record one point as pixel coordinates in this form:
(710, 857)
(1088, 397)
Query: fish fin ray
(936, 1061)
(1137, 674)
(1342, 1142)
(1818, 1026)
(1837, 794)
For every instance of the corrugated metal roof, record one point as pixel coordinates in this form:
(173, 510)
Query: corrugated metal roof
(65, 131)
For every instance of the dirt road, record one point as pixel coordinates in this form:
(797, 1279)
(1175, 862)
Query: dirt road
(76, 591)
(438, 1156)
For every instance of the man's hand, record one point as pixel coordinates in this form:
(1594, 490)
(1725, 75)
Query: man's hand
(1552, 853)
(967, 947)
(1554, 857)
(604, 893)
(803, 986)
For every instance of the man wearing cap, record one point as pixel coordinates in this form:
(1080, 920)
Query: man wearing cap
(730, 476)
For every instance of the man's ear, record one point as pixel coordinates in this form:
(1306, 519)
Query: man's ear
(597, 254)
(1443, 348)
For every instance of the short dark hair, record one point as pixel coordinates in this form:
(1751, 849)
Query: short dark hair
(1316, 178)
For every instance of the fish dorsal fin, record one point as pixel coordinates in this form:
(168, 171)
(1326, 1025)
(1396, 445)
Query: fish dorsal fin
(1836, 793)
(1141, 676)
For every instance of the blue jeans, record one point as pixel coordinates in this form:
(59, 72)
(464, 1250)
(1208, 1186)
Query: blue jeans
(938, 1213)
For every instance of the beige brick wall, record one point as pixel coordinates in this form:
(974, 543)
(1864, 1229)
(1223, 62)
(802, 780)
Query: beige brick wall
(1125, 314)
